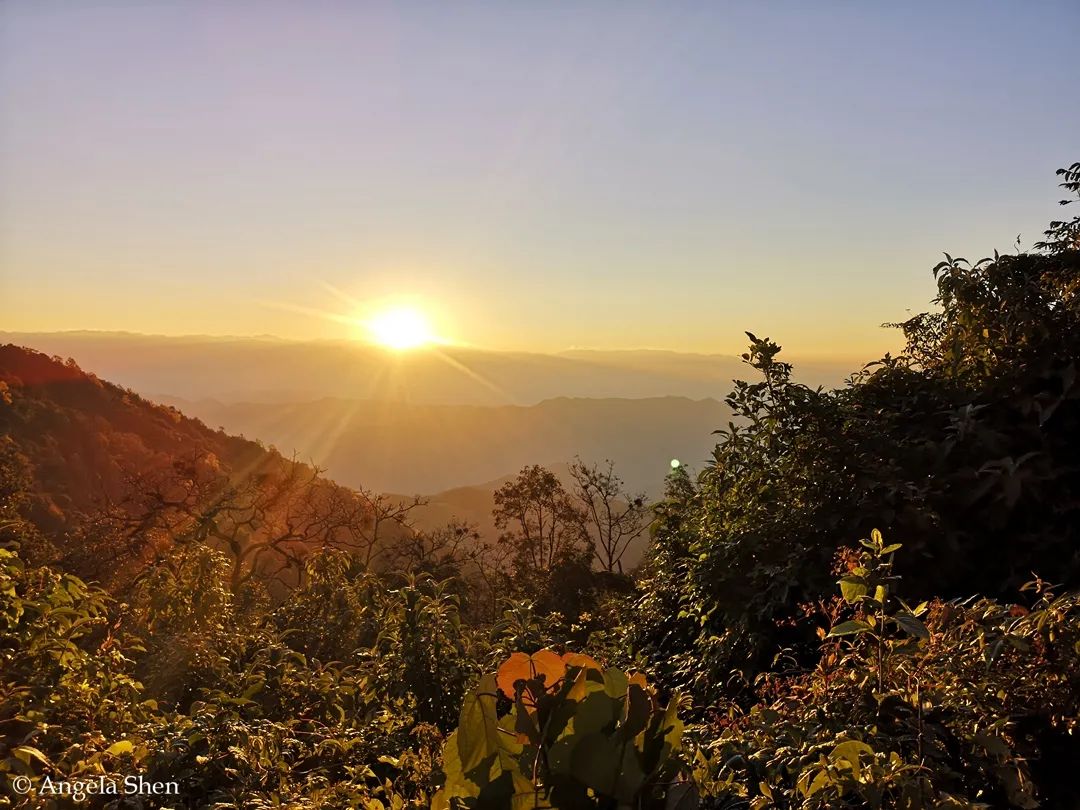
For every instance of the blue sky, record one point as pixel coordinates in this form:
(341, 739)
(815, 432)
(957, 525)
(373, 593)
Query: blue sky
(533, 175)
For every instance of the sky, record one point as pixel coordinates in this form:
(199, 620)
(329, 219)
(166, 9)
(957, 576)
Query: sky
(532, 176)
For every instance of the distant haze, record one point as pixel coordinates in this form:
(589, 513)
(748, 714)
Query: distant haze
(432, 420)
(429, 448)
(267, 370)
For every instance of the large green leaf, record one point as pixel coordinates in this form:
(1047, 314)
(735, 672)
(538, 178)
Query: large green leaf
(457, 783)
(851, 750)
(609, 766)
(638, 712)
(911, 625)
(478, 729)
(853, 589)
(596, 712)
(849, 628)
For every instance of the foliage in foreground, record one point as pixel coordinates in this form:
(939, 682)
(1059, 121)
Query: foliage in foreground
(250, 721)
(969, 703)
(945, 704)
(572, 735)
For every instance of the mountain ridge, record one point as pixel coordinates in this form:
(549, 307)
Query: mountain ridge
(277, 370)
(428, 449)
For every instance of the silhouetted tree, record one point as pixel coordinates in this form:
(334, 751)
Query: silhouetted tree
(540, 522)
(1064, 235)
(389, 515)
(962, 448)
(615, 518)
(267, 520)
(442, 552)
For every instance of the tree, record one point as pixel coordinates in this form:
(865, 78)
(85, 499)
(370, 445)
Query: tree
(15, 527)
(541, 523)
(1061, 235)
(477, 568)
(387, 514)
(268, 519)
(962, 448)
(490, 578)
(442, 552)
(615, 518)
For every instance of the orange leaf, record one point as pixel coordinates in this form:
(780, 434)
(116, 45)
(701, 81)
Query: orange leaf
(550, 665)
(581, 660)
(580, 689)
(520, 666)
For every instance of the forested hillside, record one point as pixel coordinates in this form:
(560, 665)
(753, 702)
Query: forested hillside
(83, 437)
(111, 482)
(868, 598)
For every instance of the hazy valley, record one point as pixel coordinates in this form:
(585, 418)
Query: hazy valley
(462, 417)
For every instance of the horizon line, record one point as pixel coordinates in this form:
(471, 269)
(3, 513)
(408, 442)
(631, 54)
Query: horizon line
(268, 337)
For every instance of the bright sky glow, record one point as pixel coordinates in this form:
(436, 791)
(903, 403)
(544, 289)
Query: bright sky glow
(609, 174)
(401, 329)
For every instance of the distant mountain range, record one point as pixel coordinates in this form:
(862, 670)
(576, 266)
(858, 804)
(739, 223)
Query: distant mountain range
(451, 423)
(409, 448)
(84, 442)
(272, 370)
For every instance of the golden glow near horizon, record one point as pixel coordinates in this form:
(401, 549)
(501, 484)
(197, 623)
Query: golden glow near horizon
(401, 328)
(619, 210)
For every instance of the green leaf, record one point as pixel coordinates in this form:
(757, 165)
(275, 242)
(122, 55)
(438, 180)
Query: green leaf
(595, 712)
(118, 748)
(853, 589)
(638, 712)
(254, 689)
(25, 753)
(911, 625)
(820, 781)
(608, 766)
(478, 729)
(615, 682)
(850, 750)
(849, 628)
(663, 736)
(457, 783)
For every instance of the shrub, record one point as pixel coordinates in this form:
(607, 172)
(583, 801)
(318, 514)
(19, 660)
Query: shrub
(562, 732)
(946, 704)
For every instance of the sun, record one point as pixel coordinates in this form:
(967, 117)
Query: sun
(401, 328)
